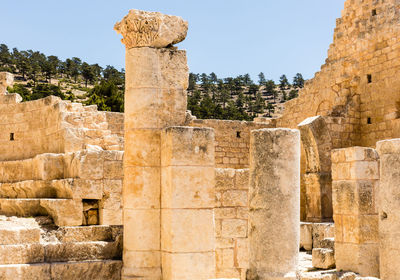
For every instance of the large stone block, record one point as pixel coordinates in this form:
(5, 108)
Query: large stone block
(97, 270)
(199, 266)
(143, 259)
(306, 238)
(142, 147)
(142, 229)
(142, 187)
(225, 178)
(323, 258)
(187, 230)
(48, 167)
(188, 187)
(24, 253)
(25, 271)
(234, 228)
(65, 212)
(188, 146)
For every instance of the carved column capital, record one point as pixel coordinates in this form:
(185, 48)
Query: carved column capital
(151, 29)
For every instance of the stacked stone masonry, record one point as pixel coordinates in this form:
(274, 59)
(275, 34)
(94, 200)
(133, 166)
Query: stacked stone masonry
(232, 141)
(355, 173)
(357, 86)
(231, 222)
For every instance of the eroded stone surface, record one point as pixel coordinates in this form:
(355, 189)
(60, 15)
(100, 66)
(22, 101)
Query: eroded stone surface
(151, 29)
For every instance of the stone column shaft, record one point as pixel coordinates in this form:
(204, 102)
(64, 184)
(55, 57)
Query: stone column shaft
(187, 201)
(355, 173)
(155, 97)
(274, 201)
(389, 209)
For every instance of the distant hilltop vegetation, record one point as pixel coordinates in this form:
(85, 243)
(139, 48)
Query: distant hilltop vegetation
(209, 97)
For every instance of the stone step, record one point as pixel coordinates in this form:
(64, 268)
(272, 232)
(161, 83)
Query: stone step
(65, 212)
(89, 233)
(62, 188)
(328, 243)
(59, 252)
(323, 258)
(11, 233)
(83, 270)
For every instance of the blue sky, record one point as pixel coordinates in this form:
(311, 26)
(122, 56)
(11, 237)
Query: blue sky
(227, 37)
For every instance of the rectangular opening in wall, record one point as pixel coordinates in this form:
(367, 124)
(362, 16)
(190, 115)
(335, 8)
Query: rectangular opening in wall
(369, 78)
(238, 134)
(373, 12)
(11, 136)
(369, 120)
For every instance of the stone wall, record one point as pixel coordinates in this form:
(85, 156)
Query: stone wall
(358, 81)
(355, 173)
(231, 219)
(115, 123)
(232, 141)
(30, 128)
(50, 125)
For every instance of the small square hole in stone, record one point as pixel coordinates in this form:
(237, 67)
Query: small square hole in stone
(11, 136)
(369, 121)
(374, 12)
(369, 78)
(238, 134)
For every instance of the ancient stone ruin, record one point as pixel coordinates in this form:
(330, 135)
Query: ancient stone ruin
(155, 193)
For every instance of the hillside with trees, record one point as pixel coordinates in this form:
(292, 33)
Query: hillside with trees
(209, 97)
(239, 98)
(38, 76)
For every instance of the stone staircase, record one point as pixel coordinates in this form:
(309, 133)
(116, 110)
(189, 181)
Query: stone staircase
(50, 214)
(90, 126)
(33, 248)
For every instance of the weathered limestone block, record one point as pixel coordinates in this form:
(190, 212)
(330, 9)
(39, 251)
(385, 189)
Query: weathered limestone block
(88, 233)
(317, 144)
(18, 234)
(98, 270)
(21, 207)
(65, 212)
(80, 251)
(21, 253)
(48, 166)
(389, 206)
(188, 265)
(181, 227)
(157, 89)
(323, 258)
(6, 80)
(11, 98)
(274, 201)
(306, 236)
(86, 164)
(151, 29)
(321, 231)
(25, 271)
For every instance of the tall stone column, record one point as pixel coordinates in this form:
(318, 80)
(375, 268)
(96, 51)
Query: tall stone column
(187, 201)
(389, 209)
(355, 173)
(274, 202)
(155, 98)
